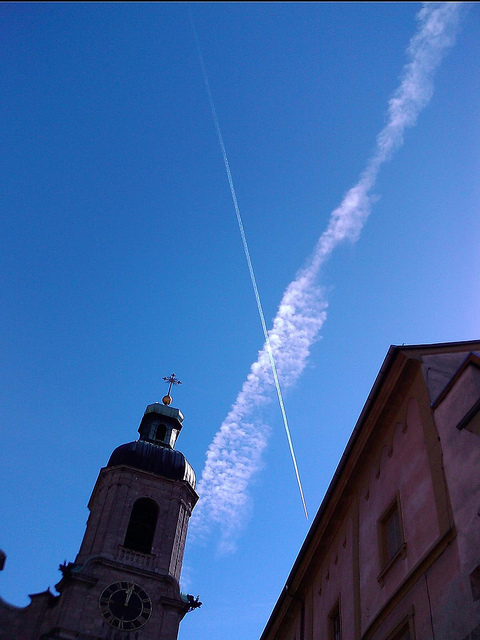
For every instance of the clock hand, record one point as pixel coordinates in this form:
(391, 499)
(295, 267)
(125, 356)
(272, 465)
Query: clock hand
(128, 595)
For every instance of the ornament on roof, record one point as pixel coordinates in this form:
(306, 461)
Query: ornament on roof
(174, 381)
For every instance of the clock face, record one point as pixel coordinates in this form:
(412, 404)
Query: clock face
(125, 606)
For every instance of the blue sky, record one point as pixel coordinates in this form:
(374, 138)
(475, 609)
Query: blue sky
(121, 260)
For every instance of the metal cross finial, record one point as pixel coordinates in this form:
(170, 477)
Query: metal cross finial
(173, 383)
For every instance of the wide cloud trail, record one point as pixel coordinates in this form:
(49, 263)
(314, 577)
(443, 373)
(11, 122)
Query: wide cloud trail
(235, 454)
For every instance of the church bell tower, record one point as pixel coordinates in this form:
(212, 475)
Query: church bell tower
(124, 583)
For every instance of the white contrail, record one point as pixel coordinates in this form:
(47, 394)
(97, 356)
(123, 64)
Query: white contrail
(268, 346)
(235, 453)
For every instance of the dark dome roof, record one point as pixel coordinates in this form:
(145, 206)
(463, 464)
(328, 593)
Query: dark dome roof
(162, 461)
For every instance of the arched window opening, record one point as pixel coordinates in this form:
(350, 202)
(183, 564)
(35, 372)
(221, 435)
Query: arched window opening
(141, 527)
(161, 432)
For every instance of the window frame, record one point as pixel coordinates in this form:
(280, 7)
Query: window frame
(405, 625)
(142, 525)
(335, 614)
(161, 432)
(387, 560)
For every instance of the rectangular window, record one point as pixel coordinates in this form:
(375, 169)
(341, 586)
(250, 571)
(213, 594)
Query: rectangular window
(391, 539)
(393, 532)
(335, 623)
(404, 630)
(404, 633)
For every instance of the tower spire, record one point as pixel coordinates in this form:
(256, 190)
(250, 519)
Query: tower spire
(173, 382)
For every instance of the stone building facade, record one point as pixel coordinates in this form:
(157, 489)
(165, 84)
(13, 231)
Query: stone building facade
(394, 550)
(124, 583)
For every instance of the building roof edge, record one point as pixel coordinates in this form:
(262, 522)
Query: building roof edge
(392, 353)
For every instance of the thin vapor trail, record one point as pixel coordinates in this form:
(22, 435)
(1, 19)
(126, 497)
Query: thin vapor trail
(234, 456)
(253, 279)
